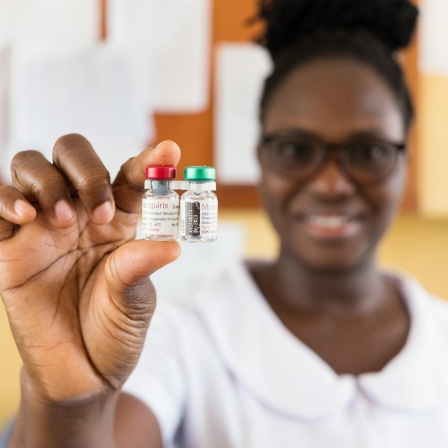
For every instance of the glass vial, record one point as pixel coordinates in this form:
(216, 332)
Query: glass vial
(199, 206)
(160, 207)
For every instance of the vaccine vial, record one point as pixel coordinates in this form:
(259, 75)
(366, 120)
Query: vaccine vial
(160, 207)
(199, 206)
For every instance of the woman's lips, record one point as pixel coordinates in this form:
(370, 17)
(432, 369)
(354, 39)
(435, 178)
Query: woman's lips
(331, 227)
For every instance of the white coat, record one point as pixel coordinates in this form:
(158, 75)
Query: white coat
(226, 373)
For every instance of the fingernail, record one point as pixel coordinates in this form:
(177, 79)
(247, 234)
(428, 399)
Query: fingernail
(103, 213)
(63, 211)
(21, 207)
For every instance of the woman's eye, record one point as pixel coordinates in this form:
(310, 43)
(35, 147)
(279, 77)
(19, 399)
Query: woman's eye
(371, 153)
(295, 151)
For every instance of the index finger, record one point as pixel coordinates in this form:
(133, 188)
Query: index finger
(128, 187)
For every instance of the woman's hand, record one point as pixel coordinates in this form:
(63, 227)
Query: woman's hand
(73, 280)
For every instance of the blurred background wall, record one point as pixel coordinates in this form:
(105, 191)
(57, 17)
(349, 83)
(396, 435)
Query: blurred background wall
(144, 70)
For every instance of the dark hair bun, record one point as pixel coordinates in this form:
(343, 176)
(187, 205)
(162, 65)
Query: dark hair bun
(289, 21)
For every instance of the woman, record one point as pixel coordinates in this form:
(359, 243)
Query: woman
(319, 348)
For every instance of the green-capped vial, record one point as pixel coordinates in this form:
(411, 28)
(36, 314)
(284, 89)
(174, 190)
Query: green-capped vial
(199, 206)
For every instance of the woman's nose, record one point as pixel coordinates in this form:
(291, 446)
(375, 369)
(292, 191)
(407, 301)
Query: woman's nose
(331, 181)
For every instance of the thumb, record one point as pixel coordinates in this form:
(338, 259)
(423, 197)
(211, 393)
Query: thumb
(128, 268)
(114, 335)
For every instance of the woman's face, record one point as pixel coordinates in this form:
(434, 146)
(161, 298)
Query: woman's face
(328, 221)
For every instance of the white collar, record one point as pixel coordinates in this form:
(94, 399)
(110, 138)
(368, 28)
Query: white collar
(286, 374)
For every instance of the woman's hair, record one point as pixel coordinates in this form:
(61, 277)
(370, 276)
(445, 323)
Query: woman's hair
(371, 31)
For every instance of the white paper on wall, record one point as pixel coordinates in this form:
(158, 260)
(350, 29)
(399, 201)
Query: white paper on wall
(434, 37)
(59, 89)
(170, 40)
(61, 20)
(240, 73)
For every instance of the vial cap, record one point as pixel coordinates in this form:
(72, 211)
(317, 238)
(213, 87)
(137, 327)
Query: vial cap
(161, 172)
(199, 173)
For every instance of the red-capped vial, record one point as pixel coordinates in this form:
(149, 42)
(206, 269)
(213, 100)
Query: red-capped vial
(160, 207)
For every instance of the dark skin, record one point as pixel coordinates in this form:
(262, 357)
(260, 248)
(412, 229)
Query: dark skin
(75, 284)
(329, 292)
(76, 289)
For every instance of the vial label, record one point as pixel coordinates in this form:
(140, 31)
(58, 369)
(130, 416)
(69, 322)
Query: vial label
(160, 217)
(199, 218)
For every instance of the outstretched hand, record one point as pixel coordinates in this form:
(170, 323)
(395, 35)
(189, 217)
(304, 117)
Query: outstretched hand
(73, 280)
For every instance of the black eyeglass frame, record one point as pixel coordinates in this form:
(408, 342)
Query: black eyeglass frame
(334, 151)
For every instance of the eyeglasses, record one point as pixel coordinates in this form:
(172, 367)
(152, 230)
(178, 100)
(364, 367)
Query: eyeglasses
(364, 161)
